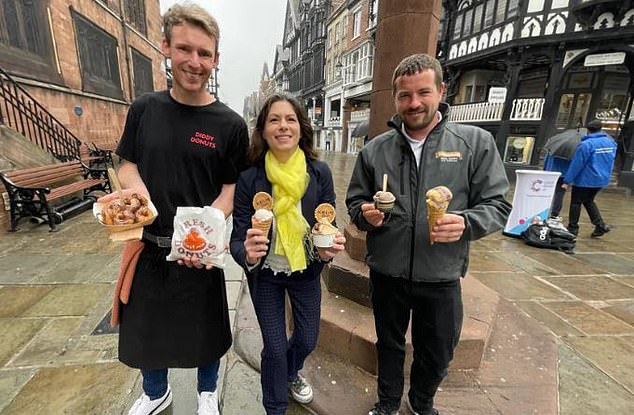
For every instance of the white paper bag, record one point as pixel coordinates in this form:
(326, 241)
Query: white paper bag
(199, 233)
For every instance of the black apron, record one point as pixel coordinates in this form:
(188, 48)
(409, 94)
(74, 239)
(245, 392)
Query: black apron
(175, 317)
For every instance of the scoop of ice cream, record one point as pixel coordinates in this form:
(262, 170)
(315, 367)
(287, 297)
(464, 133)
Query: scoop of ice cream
(384, 197)
(439, 197)
(324, 229)
(262, 215)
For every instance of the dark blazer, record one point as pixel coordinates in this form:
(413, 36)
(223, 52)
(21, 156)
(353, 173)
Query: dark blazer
(320, 190)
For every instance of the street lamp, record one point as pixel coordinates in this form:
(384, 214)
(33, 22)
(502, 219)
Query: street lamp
(338, 68)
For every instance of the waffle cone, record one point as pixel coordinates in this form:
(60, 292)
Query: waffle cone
(264, 225)
(433, 214)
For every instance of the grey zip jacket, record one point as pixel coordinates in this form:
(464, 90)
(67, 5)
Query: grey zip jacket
(462, 157)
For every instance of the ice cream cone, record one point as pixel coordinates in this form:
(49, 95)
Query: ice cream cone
(263, 225)
(433, 214)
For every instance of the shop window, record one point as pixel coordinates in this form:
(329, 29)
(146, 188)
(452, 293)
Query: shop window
(580, 80)
(135, 14)
(98, 59)
(518, 149)
(25, 42)
(142, 67)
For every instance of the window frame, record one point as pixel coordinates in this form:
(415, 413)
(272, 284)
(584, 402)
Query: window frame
(93, 81)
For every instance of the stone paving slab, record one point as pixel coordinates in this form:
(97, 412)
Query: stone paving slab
(548, 318)
(16, 300)
(49, 343)
(520, 286)
(610, 355)
(11, 382)
(15, 334)
(69, 300)
(585, 390)
(592, 287)
(609, 262)
(588, 319)
(85, 389)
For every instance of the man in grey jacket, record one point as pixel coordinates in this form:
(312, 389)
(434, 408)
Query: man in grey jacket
(408, 273)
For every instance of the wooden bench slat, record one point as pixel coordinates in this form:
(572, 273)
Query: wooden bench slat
(72, 188)
(20, 172)
(49, 179)
(61, 168)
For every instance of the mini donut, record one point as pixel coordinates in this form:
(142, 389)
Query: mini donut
(142, 214)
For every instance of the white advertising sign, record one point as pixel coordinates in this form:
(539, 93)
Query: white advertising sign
(497, 94)
(534, 190)
(600, 59)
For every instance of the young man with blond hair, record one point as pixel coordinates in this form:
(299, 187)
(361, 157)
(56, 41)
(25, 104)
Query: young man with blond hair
(177, 314)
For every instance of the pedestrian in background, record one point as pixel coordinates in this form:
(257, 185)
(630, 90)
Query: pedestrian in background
(590, 171)
(284, 164)
(408, 274)
(177, 314)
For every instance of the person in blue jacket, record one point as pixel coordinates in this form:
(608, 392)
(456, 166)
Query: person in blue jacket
(589, 172)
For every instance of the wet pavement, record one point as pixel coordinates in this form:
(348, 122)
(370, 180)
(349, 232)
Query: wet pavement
(55, 290)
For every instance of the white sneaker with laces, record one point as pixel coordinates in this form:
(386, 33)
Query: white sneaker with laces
(208, 403)
(146, 406)
(301, 390)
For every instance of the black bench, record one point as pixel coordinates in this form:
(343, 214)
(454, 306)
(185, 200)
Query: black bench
(32, 191)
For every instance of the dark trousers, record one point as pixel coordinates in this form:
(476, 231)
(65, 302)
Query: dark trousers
(583, 196)
(558, 198)
(282, 358)
(155, 380)
(436, 310)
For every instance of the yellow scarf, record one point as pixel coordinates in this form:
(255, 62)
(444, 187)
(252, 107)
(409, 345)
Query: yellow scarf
(289, 182)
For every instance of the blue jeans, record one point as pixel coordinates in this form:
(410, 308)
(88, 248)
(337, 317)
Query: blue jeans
(155, 380)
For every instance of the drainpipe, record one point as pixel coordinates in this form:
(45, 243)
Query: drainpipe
(126, 51)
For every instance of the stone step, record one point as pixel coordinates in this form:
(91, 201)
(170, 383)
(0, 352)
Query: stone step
(347, 328)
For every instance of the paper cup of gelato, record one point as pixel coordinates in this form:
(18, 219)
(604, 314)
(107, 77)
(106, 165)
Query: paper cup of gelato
(384, 201)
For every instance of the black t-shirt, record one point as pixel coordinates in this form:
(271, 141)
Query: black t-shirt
(184, 153)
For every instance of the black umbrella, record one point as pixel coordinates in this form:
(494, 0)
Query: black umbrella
(564, 144)
(361, 130)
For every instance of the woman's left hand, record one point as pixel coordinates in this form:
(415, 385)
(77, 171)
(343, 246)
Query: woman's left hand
(326, 254)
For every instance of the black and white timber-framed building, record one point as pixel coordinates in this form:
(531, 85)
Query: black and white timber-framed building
(528, 69)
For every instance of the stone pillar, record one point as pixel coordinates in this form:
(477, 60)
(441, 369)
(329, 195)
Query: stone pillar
(345, 119)
(404, 27)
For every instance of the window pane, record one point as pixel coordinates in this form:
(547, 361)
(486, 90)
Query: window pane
(142, 67)
(98, 59)
(468, 16)
(501, 11)
(458, 27)
(488, 14)
(477, 18)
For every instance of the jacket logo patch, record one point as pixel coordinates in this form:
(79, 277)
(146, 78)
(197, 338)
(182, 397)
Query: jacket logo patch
(449, 156)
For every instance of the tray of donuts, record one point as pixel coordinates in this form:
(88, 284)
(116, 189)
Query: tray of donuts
(125, 217)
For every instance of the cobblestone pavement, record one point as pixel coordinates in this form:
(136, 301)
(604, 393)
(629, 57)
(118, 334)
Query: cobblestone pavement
(55, 290)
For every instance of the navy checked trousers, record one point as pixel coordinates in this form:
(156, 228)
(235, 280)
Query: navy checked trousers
(282, 357)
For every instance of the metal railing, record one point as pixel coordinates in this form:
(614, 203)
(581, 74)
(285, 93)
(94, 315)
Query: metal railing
(523, 109)
(22, 113)
(478, 112)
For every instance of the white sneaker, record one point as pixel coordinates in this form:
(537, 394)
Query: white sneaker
(208, 403)
(301, 390)
(146, 406)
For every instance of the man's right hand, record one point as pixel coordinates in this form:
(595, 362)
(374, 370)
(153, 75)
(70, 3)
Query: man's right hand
(372, 215)
(126, 193)
(255, 245)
